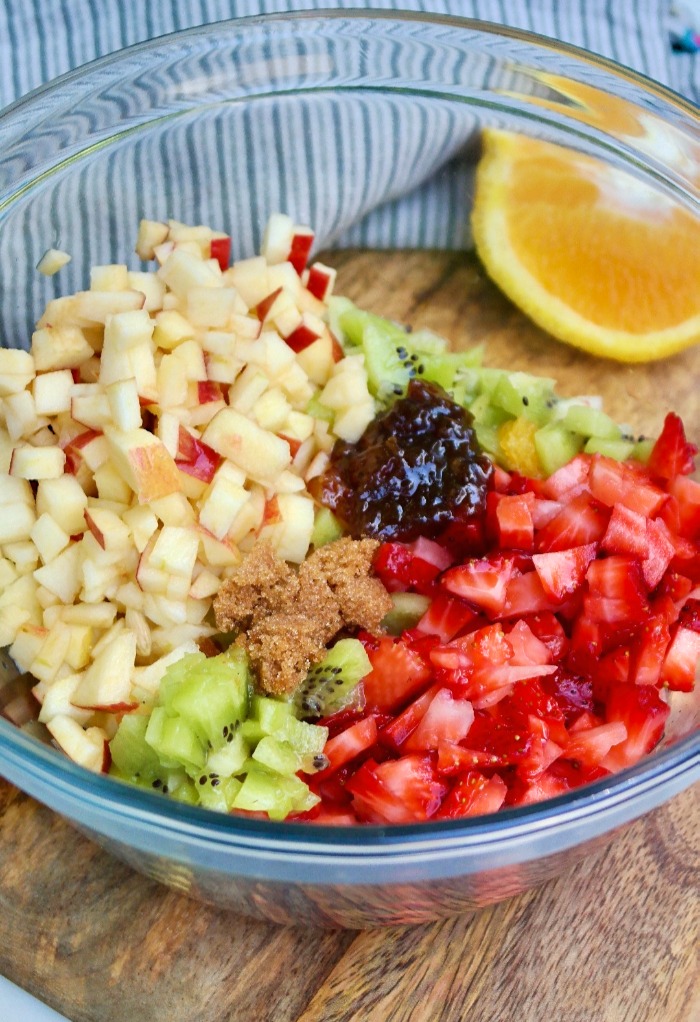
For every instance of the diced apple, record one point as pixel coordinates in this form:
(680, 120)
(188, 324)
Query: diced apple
(277, 238)
(319, 279)
(171, 329)
(89, 405)
(296, 385)
(108, 529)
(183, 270)
(80, 646)
(213, 308)
(143, 462)
(16, 370)
(94, 452)
(249, 277)
(317, 466)
(97, 615)
(36, 463)
(110, 485)
(106, 684)
(151, 287)
(48, 537)
(175, 552)
(21, 419)
(12, 619)
(97, 306)
(223, 503)
(271, 410)
(113, 277)
(123, 398)
(151, 234)
(52, 653)
(143, 523)
(317, 359)
(309, 330)
(168, 432)
(174, 510)
(52, 261)
(259, 453)
(192, 357)
(137, 624)
(62, 575)
(196, 458)
(8, 572)
(24, 555)
(171, 381)
(291, 536)
(126, 334)
(247, 389)
(52, 391)
(28, 641)
(65, 500)
(351, 423)
(59, 347)
(56, 701)
(204, 585)
(219, 553)
(88, 749)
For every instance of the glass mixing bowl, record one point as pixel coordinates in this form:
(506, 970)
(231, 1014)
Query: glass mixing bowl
(367, 127)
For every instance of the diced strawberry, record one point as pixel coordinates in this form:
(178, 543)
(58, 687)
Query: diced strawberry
(573, 694)
(674, 585)
(581, 521)
(525, 595)
(626, 533)
(482, 582)
(614, 482)
(473, 795)
(562, 572)
(397, 674)
(465, 538)
(400, 569)
(403, 790)
(446, 719)
(543, 511)
(446, 617)
(690, 615)
(350, 743)
(527, 648)
(330, 816)
(509, 740)
(643, 712)
(680, 664)
(395, 733)
(569, 479)
(590, 745)
(486, 647)
(430, 552)
(514, 521)
(531, 698)
(548, 785)
(672, 455)
(501, 479)
(550, 631)
(616, 590)
(687, 494)
(660, 555)
(455, 759)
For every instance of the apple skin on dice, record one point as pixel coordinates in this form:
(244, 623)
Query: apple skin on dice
(157, 427)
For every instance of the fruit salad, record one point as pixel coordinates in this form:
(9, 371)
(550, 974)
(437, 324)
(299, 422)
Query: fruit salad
(267, 553)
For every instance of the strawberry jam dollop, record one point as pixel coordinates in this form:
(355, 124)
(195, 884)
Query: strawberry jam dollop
(415, 470)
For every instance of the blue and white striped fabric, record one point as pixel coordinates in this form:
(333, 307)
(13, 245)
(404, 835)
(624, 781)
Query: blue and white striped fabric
(40, 39)
(392, 190)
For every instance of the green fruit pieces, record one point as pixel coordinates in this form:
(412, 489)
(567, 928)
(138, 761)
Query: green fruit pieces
(330, 686)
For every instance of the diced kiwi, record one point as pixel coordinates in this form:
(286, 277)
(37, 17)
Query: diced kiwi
(522, 394)
(216, 792)
(229, 759)
(266, 791)
(132, 756)
(618, 449)
(330, 685)
(406, 612)
(555, 446)
(277, 754)
(174, 741)
(211, 694)
(326, 529)
(590, 422)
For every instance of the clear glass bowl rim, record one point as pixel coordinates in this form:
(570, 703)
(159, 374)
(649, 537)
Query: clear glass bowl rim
(679, 763)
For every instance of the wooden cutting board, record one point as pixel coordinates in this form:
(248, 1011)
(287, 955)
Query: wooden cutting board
(615, 940)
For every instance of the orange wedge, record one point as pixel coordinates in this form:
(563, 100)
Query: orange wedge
(592, 254)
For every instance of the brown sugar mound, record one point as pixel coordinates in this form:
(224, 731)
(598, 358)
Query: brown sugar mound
(288, 617)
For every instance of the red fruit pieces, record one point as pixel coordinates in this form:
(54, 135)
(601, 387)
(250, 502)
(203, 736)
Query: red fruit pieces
(514, 521)
(643, 712)
(614, 482)
(562, 572)
(681, 661)
(482, 582)
(446, 720)
(672, 455)
(398, 673)
(474, 794)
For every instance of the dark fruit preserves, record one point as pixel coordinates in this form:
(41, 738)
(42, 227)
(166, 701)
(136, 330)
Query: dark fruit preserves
(414, 471)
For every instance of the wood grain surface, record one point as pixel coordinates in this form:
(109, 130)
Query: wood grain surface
(617, 939)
